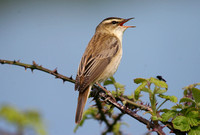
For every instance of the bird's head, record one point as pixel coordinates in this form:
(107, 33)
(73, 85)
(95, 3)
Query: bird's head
(113, 25)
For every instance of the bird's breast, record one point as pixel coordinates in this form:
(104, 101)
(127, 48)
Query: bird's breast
(112, 66)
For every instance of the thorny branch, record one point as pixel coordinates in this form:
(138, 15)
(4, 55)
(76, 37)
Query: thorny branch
(38, 67)
(106, 97)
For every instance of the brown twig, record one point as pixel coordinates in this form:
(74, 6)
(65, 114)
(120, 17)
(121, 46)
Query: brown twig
(142, 107)
(124, 109)
(100, 108)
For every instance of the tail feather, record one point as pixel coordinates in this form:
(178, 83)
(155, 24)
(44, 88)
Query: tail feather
(82, 98)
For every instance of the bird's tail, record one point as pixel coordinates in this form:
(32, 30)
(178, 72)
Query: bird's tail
(82, 98)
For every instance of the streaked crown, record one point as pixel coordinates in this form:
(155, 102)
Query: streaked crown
(113, 23)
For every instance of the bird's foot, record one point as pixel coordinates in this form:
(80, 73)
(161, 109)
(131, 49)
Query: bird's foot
(106, 91)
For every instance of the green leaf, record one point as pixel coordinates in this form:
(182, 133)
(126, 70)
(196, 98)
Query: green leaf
(138, 90)
(120, 88)
(185, 99)
(191, 86)
(191, 112)
(155, 118)
(112, 79)
(116, 128)
(196, 94)
(194, 131)
(164, 110)
(107, 82)
(185, 92)
(23, 119)
(181, 123)
(193, 122)
(114, 93)
(160, 91)
(193, 117)
(118, 85)
(158, 82)
(178, 106)
(146, 90)
(130, 96)
(171, 98)
(12, 115)
(139, 80)
(170, 114)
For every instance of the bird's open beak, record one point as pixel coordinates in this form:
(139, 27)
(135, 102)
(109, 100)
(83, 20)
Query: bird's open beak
(126, 20)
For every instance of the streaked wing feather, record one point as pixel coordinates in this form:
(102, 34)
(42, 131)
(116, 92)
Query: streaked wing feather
(93, 66)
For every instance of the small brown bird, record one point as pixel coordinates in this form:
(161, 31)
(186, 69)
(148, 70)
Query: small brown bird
(101, 58)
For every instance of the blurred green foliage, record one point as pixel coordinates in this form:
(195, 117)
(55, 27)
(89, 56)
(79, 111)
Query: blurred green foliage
(29, 119)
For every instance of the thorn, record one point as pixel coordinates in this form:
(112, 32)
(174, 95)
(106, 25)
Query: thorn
(63, 80)
(71, 77)
(25, 68)
(34, 63)
(32, 70)
(2, 62)
(14, 61)
(55, 71)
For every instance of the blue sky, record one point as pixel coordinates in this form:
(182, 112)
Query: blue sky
(55, 34)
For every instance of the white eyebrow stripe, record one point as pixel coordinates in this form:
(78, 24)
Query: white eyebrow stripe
(109, 21)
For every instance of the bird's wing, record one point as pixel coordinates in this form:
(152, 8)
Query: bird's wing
(94, 62)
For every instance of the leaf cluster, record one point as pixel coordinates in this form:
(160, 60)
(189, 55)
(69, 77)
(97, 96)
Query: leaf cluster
(185, 116)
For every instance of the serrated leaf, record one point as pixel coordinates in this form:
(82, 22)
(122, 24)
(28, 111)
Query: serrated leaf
(138, 90)
(193, 117)
(185, 99)
(193, 122)
(194, 131)
(170, 114)
(158, 82)
(181, 123)
(196, 94)
(171, 98)
(139, 80)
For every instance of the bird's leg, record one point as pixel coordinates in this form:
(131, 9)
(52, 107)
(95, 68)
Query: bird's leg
(106, 91)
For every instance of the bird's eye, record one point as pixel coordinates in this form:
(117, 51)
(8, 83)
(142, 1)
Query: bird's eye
(114, 22)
